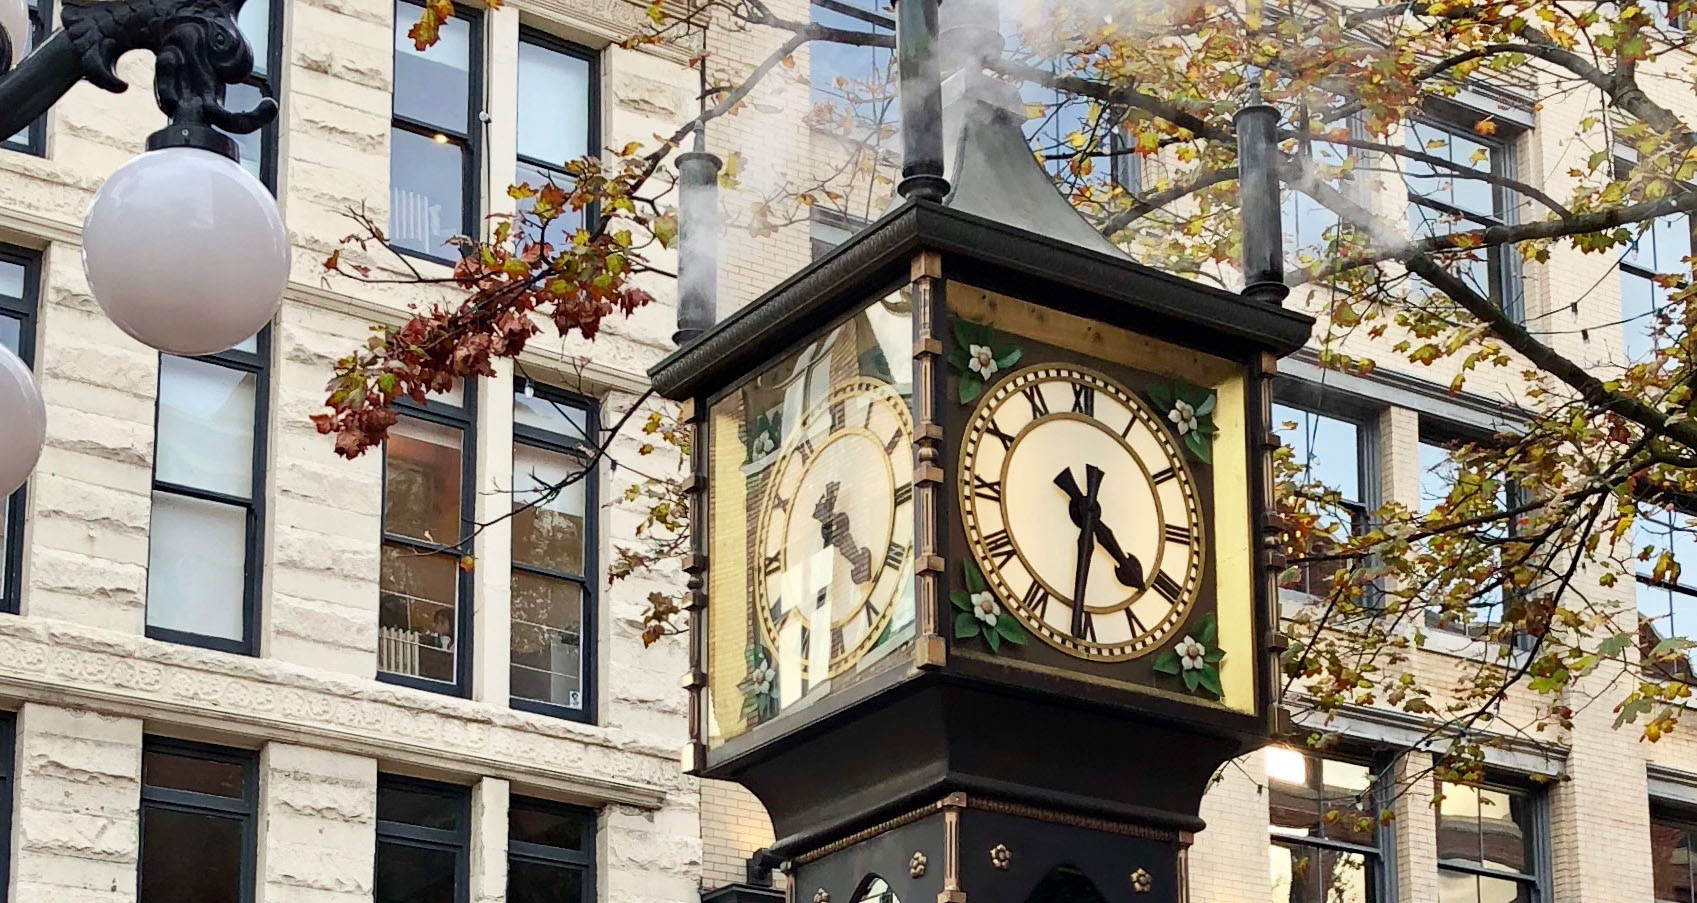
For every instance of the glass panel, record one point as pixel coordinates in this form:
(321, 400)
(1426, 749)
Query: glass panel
(11, 279)
(1639, 302)
(35, 33)
(421, 481)
(1504, 890)
(418, 613)
(1458, 823)
(196, 562)
(1458, 887)
(408, 874)
(1292, 802)
(1314, 875)
(552, 416)
(559, 83)
(1346, 790)
(539, 882)
(550, 533)
(561, 227)
(811, 466)
(173, 771)
(1330, 448)
(246, 97)
(426, 193)
(1670, 860)
(433, 86)
(1505, 843)
(545, 825)
(254, 20)
(419, 808)
(547, 640)
(190, 857)
(878, 891)
(10, 331)
(205, 426)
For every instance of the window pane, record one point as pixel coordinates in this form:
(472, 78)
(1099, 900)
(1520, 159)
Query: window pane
(254, 20)
(1457, 887)
(560, 228)
(246, 97)
(556, 417)
(421, 481)
(1670, 858)
(190, 857)
(1639, 303)
(433, 86)
(559, 83)
(1458, 823)
(426, 193)
(173, 771)
(419, 808)
(1329, 448)
(408, 874)
(1503, 890)
(1345, 790)
(1313, 875)
(196, 561)
(11, 279)
(550, 533)
(418, 613)
(205, 426)
(545, 825)
(10, 331)
(1505, 843)
(547, 638)
(536, 882)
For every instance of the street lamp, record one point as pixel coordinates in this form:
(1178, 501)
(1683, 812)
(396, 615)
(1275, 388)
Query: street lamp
(184, 249)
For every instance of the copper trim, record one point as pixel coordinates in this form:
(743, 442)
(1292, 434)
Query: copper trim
(861, 836)
(1057, 817)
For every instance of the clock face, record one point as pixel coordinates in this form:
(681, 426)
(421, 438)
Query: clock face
(1081, 512)
(835, 538)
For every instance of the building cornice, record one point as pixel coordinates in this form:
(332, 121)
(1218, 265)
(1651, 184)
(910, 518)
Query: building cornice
(1402, 731)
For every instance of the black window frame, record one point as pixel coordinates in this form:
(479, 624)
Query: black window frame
(245, 810)
(1438, 433)
(266, 84)
(8, 740)
(1381, 856)
(462, 417)
(589, 581)
(1315, 400)
(470, 142)
(35, 134)
(536, 36)
(456, 841)
(1506, 287)
(1648, 636)
(256, 362)
(1630, 269)
(1685, 822)
(581, 860)
(1538, 807)
(24, 310)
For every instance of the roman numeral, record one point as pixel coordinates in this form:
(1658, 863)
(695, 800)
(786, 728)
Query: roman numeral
(904, 493)
(1036, 599)
(1137, 628)
(773, 564)
(1039, 405)
(990, 490)
(839, 416)
(870, 612)
(1162, 476)
(1000, 547)
(896, 555)
(1083, 399)
(1089, 628)
(895, 440)
(779, 503)
(1178, 533)
(804, 448)
(995, 430)
(1166, 587)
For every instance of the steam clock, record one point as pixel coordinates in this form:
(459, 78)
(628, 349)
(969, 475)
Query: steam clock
(979, 597)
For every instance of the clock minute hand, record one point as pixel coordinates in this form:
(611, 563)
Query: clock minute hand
(1127, 569)
(835, 526)
(1088, 515)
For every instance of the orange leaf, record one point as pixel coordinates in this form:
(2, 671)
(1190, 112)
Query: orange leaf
(1486, 126)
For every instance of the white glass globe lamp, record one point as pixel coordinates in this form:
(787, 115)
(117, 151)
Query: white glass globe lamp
(14, 20)
(25, 420)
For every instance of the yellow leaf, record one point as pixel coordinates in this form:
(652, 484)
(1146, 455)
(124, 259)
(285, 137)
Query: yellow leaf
(1486, 126)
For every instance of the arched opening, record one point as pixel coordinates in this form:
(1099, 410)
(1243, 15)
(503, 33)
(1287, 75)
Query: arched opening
(1065, 884)
(874, 889)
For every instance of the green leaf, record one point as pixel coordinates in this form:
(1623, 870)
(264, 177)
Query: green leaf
(1167, 663)
(1161, 396)
(961, 599)
(1191, 679)
(970, 386)
(1614, 645)
(995, 640)
(974, 580)
(1010, 629)
(959, 359)
(1210, 681)
(965, 335)
(1214, 656)
(1206, 628)
(1198, 446)
(965, 625)
(1207, 406)
(1007, 358)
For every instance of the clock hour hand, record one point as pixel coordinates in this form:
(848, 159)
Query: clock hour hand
(1088, 514)
(1127, 569)
(834, 530)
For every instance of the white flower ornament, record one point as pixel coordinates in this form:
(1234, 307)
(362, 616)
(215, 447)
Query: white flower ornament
(981, 361)
(984, 608)
(763, 444)
(1183, 415)
(762, 678)
(1190, 654)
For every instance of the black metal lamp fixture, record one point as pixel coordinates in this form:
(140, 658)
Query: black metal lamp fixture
(183, 248)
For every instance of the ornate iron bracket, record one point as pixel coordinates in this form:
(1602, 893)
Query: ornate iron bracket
(198, 53)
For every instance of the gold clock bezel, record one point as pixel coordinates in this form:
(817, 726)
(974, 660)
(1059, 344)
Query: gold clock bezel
(1009, 387)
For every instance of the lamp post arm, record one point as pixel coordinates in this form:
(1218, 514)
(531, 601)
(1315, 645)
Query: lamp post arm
(198, 52)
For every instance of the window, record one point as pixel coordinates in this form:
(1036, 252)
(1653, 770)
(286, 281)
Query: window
(7, 733)
(1442, 200)
(205, 543)
(1331, 452)
(1668, 602)
(1325, 829)
(848, 81)
(1491, 847)
(422, 831)
(1673, 845)
(424, 613)
(434, 136)
(33, 139)
(553, 593)
(1661, 250)
(1438, 476)
(561, 78)
(197, 824)
(550, 850)
(260, 21)
(1310, 227)
(19, 277)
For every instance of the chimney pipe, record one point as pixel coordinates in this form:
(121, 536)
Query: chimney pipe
(698, 241)
(1258, 197)
(922, 101)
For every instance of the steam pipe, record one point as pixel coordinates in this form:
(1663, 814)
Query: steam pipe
(922, 101)
(1258, 196)
(698, 242)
